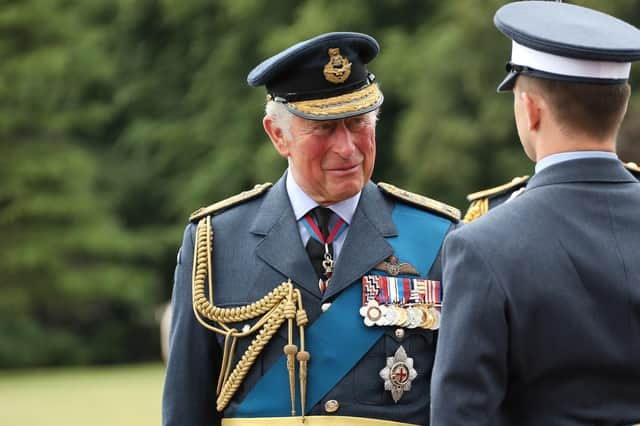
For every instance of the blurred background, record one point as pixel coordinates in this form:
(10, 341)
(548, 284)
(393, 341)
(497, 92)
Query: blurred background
(120, 117)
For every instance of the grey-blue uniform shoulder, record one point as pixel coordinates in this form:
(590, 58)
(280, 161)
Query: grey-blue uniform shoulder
(228, 203)
(502, 231)
(228, 212)
(483, 201)
(420, 201)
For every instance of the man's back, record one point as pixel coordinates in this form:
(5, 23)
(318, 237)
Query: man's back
(559, 284)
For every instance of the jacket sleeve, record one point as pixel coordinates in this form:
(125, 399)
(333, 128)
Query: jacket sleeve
(189, 396)
(470, 371)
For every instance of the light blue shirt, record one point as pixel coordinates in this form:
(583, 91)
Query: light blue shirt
(572, 155)
(302, 204)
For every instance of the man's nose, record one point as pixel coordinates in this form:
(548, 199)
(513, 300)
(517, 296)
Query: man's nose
(343, 143)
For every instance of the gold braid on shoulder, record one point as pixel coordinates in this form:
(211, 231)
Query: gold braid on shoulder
(283, 303)
(480, 201)
(476, 209)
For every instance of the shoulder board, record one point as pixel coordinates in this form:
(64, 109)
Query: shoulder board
(515, 183)
(229, 202)
(421, 201)
(633, 167)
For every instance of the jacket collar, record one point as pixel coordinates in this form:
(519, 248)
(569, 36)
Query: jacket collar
(364, 247)
(602, 170)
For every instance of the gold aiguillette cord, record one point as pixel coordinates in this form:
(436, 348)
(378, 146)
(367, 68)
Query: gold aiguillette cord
(283, 302)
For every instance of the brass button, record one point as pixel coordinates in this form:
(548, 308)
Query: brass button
(400, 333)
(331, 406)
(325, 306)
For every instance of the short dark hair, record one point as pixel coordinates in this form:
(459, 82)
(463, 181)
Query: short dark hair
(594, 109)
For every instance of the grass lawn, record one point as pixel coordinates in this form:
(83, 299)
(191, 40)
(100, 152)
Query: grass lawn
(108, 396)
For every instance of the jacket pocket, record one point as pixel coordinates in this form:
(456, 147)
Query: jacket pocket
(368, 386)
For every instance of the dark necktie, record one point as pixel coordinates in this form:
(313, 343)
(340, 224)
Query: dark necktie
(315, 249)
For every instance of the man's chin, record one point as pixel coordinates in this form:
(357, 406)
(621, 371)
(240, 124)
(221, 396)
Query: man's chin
(342, 192)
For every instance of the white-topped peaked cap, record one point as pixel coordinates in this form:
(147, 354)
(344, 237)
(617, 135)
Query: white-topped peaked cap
(561, 41)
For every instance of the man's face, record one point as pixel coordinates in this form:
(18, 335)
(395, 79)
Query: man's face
(331, 160)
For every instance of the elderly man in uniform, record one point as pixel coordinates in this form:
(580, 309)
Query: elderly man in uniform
(541, 314)
(315, 300)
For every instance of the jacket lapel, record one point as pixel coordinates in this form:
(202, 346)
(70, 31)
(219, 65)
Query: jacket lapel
(365, 245)
(281, 248)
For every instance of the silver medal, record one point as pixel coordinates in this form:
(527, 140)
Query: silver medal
(398, 374)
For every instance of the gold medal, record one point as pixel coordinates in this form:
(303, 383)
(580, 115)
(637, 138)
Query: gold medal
(403, 317)
(428, 318)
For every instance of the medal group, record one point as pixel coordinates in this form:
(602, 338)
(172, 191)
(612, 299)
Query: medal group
(400, 302)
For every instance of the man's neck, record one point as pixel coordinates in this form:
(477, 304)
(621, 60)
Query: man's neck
(557, 141)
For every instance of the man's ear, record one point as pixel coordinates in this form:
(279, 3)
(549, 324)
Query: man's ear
(532, 107)
(277, 136)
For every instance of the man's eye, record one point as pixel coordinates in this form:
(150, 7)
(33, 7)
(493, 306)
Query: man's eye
(325, 127)
(356, 123)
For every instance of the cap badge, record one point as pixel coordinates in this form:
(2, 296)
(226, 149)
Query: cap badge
(398, 374)
(338, 69)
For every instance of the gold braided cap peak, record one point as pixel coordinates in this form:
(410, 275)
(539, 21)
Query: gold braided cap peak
(229, 202)
(515, 183)
(359, 100)
(421, 201)
(632, 166)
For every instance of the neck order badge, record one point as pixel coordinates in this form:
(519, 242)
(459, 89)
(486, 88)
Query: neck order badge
(319, 245)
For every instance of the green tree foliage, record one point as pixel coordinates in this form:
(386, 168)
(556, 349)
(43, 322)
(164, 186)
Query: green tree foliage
(120, 117)
(77, 287)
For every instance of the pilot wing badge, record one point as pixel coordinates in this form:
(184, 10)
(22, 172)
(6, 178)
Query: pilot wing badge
(394, 267)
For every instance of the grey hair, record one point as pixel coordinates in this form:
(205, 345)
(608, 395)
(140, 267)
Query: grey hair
(280, 116)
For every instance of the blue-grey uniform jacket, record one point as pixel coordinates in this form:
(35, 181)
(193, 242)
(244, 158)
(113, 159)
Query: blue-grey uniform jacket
(257, 246)
(541, 315)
